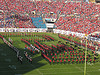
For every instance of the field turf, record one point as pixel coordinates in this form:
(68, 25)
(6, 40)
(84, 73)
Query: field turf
(9, 64)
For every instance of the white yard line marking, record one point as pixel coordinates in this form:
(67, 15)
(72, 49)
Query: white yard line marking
(81, 69)
(69, 72)
(37, 69)
(56, 73)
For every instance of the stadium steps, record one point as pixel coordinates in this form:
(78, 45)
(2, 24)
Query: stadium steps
(38, 22)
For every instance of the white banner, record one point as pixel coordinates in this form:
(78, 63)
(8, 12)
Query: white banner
(22, 30)
(68, 32)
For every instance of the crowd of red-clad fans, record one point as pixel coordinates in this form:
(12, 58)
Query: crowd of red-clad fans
(80, 17)
(21, 8)
(96, 35)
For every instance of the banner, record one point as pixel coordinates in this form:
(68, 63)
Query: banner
(23, 29)
(68, 32)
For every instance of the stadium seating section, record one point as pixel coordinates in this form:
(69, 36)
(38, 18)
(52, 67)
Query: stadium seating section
(80, 17)
(38, 22)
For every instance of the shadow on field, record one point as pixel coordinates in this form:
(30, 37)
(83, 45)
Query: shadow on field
(9, 64)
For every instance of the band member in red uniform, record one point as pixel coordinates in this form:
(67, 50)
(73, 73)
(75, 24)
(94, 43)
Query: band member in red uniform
(63, 54)
(70, 57)
(50, 62)
(82, 61)
(79, 60)
(63, 58)
(71, 54)
(56, 57)
(66, 57)
(51, 54)
(57, 61)
(64, 61)
(76, 60)
(87, 57)
(53, 58)
(60, 54)
(67, 54)
(53, 61)
(90, 60)
(59, 58)
(80, 57)
(31, 40)
(79, 54)
(60, 61)
(76, 54)
(64, 51)
(94, 60)
(68, 61)
(72, 61)
(57, 52)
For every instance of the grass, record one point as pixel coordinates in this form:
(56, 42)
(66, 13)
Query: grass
(9, 64)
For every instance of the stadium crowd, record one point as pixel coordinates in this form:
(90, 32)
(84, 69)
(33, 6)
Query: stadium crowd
(80, 17)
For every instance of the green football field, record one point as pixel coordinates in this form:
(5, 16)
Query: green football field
(9, 64)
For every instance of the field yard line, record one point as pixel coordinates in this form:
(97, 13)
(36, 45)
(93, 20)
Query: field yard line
(69, 72)
(53, 73)
(37, 70)
(54, 68)
(81, 69)
(62, 72)
(63, 68)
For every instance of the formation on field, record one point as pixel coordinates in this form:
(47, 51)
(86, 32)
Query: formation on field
(67, 52)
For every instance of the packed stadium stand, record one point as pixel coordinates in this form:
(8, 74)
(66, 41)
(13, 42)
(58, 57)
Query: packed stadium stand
(38, 22)
(77, 16)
